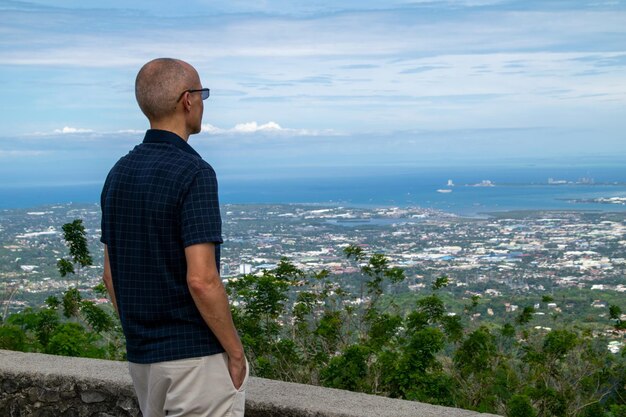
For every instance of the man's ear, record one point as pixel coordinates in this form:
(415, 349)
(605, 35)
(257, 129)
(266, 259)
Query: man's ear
(186, 100)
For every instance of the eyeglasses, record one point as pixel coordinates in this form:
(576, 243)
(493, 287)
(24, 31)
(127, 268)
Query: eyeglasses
(206, 92)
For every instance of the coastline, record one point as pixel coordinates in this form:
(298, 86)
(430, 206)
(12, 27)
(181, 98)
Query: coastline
(407, 191)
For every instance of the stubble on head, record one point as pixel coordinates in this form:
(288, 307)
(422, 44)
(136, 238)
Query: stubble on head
(159, 85)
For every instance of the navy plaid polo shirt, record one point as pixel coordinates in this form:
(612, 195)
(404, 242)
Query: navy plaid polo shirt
(157, 200)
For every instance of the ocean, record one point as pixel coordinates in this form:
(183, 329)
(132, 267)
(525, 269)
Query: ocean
(522, 188)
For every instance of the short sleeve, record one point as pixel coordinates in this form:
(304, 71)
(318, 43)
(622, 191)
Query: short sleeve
(103, 227)
(201, 221)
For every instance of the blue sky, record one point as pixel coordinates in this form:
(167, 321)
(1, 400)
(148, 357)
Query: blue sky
(299, 85)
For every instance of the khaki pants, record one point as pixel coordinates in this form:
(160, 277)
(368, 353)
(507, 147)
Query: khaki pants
(195, 387)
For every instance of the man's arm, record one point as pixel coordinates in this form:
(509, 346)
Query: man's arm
(108, 278)
(211, 299)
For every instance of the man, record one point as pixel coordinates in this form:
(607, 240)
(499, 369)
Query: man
(161, 227)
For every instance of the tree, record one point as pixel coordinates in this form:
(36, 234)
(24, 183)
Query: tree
(520, 406)
(70, 326)
(475, 362)
(71, 339)
(262, 304)
(74, 235)
(12, 337)
(348, 370)
(374, 274)
(615, 313)
(6, 296)
(567, 374)
(526, 315)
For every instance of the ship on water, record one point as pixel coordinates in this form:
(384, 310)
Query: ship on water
(446, 190)
(485, 183)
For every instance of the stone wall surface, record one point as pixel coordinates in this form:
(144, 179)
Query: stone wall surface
(33, 384)
(39, 385)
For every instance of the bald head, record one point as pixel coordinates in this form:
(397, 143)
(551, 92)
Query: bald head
(160, 83)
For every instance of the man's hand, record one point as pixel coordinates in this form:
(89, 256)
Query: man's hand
(237, 370)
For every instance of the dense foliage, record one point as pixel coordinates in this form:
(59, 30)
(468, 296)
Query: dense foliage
(314, 330)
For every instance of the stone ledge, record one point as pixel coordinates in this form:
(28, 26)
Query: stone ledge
(45, 385)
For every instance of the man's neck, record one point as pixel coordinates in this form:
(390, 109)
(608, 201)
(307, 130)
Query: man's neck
(171, 126)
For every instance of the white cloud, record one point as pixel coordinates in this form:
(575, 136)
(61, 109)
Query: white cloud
(131, 131)
(389, 32)
(211, 130)
(75, 131)
(244, 128)
(68, 129)
(251, 127)
(269, 127)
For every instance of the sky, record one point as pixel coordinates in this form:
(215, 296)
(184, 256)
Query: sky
(299, 87)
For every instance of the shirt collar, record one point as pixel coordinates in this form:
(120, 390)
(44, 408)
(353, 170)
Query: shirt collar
(164, 136)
